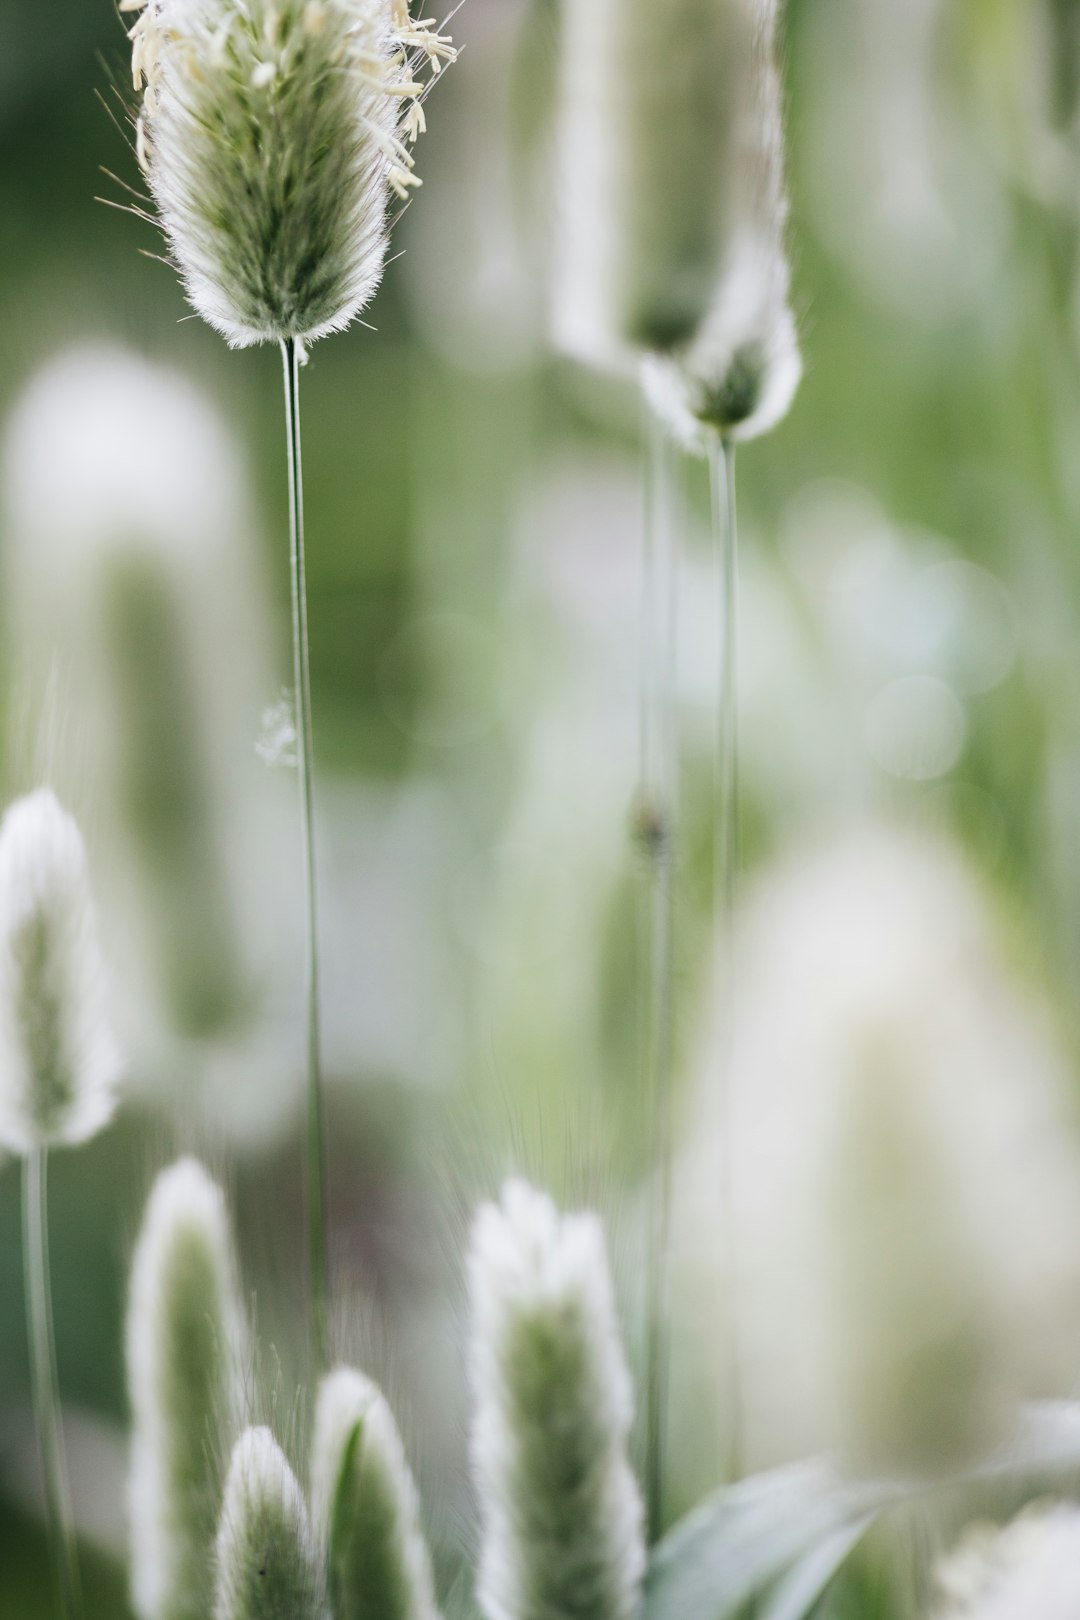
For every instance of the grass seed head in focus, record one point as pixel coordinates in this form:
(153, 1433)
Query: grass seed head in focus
(272, 136)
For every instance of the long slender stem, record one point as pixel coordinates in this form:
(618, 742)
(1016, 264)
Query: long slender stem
(316, 1133)
(658, 810)
(45, 1384)
(725, 867)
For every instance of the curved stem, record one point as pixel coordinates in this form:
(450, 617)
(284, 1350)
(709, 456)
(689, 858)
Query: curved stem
(316, 1134)
(45, 1383)
(725, 865)
(658, 810)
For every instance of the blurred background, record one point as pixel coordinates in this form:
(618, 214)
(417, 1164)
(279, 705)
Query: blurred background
(904, 1036)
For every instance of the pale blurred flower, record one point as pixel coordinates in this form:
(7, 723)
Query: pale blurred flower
(649, 152)
(738, 370)
(1029, 1570)
(59, 1064)
(138, 644)
(906, 1174)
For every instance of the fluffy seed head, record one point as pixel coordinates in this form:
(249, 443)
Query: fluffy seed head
(738, 372)
(272, 134)
(1030, 1570)
(648, 113)
(562, 1532)
(365, 1507)
(905, 1168)
(267, 1566)
(185, 1339)
(59, 1065)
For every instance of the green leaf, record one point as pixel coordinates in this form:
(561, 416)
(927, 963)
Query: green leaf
(796, 1594)
(787, 1533)
(747, 1536)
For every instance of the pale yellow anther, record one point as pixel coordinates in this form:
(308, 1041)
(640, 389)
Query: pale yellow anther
(314, 20)
(263, 75)
(272, 27)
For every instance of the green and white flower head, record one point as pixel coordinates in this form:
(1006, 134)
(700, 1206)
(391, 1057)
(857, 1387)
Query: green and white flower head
(273, 134)
(59, 1064)
(136, 625)
(561, 1512)
(185, 1357)
(648, 144)
(1029, 1570)
(739, 372)
(267, 1564)
(906, 1171)
(365, 1507)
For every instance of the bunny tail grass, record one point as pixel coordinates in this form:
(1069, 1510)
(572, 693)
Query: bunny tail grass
(365, 1506)
(273, 134)
(185, 1340)
(561, 1513)
(58, 1074)
(267, 1565)
(59, 1064)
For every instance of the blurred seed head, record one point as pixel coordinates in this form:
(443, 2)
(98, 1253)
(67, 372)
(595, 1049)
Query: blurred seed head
(137, 630)
(906, 1173)
(739, 368)
(185, 1353)
(561, 1514)
(365, 1508)
(1029, 1570)
(647, 140)
(59, 1064)
(272, 136)
(267, 1563)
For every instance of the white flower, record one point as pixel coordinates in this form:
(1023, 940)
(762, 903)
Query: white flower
(738, 372)
(365, 1507)
(906, 1172)
(267, 1563)
(562, 1524)
(272, 134)
(59, 1065)
(1030, 1570)
(138, 631)
(185, 1347)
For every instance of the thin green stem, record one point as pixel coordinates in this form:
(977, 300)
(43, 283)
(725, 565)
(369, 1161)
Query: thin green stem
(725, 867)
(45, 1383)
(316, 1132)
(658, 815)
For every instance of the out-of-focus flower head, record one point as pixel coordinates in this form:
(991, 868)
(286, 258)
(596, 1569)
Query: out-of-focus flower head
(906, 1176)
(59, 1064)
(1029, 1570)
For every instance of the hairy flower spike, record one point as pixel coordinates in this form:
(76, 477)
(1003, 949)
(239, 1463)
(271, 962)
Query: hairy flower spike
(271, 136)
(267, 1567)
(59, 1065)
(365, 1507)
(738, 373)
(185, 1339)
(646, 139)
(562, 1523)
